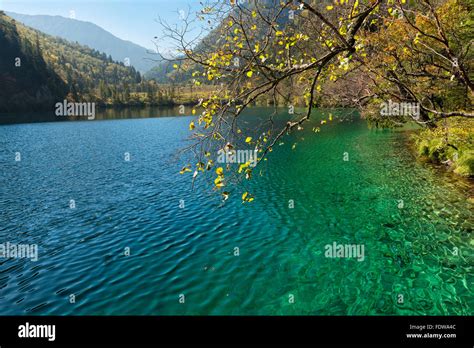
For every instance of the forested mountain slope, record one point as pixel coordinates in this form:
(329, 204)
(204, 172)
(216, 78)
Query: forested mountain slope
(37, 70)
(91, 35)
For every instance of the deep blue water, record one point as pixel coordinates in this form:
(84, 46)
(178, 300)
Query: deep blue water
(190, 250)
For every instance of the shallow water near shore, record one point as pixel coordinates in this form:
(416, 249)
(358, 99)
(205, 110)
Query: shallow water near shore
(414, 222)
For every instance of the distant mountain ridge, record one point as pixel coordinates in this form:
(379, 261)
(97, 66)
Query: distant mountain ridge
(163, 72)
(89, 34)
(38, 70)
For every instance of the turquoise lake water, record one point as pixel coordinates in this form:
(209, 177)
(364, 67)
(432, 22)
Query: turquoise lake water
(421, 252)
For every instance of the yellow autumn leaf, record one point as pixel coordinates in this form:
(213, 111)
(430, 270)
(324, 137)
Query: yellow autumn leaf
(219, 182)
(246, 197)
(243, 166)
(248, 140)
(192, 126)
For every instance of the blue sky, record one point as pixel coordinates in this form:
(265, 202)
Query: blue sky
(132, 20)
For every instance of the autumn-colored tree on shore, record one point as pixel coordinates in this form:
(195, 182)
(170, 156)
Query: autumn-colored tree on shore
(408, 51)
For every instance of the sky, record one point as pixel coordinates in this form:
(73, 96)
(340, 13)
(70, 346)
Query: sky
(132, 20)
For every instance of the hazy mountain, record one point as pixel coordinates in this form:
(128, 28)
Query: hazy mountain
(38, 70)
(163, 72)
(89, 34)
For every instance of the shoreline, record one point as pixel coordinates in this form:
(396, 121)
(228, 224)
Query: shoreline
(440, 168)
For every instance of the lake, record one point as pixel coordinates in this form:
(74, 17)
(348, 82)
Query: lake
(140, 241)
